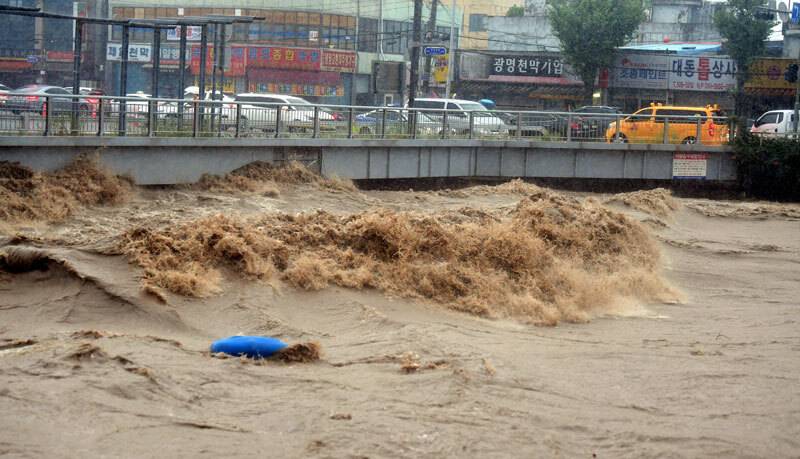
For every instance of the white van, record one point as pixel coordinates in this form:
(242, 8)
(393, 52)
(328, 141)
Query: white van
(484, 122)
(774, 123)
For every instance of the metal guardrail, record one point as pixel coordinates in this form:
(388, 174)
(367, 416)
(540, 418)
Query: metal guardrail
(70, 115)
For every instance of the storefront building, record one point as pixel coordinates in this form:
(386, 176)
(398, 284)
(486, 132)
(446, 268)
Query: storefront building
(312, 54)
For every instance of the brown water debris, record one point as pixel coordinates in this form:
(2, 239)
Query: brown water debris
(409, 362)
(552, 258)
(658, 202)
(31, 196)
(262, 177)
(489, 368)
(300, 353)
(6, 344)
(515, 186)
(756, 210)
(93, 334)
(87, 351)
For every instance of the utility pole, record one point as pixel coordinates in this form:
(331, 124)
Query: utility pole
(416, 41)
(451, 51)
(353, 86)
(431, 30)
(797, 102)
(380, 30)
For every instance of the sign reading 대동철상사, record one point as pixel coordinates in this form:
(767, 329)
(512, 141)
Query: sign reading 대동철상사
(692, 73)
(702, 74)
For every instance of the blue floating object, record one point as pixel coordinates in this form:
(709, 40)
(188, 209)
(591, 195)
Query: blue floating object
(255, 347)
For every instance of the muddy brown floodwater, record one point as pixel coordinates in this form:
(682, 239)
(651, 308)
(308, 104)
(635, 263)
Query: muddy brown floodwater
(508, 321)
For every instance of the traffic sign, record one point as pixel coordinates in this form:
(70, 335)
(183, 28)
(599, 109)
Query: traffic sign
(796, 13)
(435, 50)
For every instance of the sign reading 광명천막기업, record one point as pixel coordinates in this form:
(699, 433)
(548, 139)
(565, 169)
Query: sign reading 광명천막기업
(530, 66)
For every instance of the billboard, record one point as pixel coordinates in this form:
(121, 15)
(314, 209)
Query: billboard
(768, 73)
(702, 74)
(284, 58)
(193, 33)
(525, 68)
(338, 61)
(640, 71)
(685, 73)
(136, 52)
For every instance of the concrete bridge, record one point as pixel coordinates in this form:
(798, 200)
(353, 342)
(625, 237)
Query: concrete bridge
(174, 160)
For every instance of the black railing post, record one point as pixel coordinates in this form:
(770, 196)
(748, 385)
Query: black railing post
(76, 77)
(350, 122)
(182, 76)
(100, 116)
(278, 111)
(201, 87)
(315, 134)
(195, 117)
(123, 80)
(238, 119)
(47, 109)
(153, 127)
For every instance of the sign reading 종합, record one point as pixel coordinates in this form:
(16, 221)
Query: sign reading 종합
(535, 66)
(689, 165)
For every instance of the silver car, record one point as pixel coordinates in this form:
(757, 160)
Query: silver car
(484, 122)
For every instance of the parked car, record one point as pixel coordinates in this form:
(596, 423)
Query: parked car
(225, 109)
(774, 123)
(136, 108)
(259, 111)
(533, 124)
(369, 123)
(589, 122)
(4, 90)
(32, 99)
(88, 104)
(647, 125)
(484, 122)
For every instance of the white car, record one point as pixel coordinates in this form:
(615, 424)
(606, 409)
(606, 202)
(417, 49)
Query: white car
(484, 122)
(225, 108)
(297, 114)
(774, 123)
(136, 108)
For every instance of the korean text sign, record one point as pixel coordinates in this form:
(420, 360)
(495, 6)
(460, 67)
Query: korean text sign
(532, 66)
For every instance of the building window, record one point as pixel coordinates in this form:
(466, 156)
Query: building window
(477, 23)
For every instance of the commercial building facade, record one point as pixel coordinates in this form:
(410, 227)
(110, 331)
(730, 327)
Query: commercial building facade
(321, 51)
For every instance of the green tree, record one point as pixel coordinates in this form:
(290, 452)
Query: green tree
(591, 30)
(745, 29)
(515, 11)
